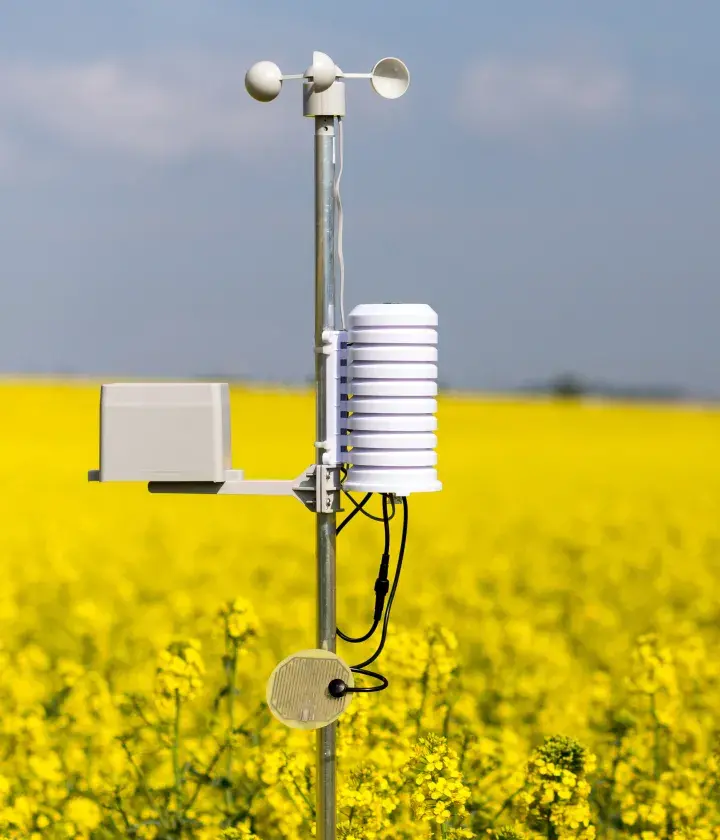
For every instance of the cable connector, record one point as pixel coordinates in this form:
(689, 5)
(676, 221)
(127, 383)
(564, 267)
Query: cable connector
(382, 587)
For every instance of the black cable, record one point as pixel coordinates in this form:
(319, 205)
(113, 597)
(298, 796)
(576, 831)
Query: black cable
(353, 513)
(367, 513)
(356, 641)
(382, 584)
(338, 688)
(396, 579)
(343, 476)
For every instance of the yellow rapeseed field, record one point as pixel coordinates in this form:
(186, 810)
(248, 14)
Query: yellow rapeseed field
(553, 662)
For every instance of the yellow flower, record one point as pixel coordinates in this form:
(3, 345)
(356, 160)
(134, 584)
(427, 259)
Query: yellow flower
(238, 619)
(574, 588)
(441, 792)
(653, 667)
(180, 671)
(84, 813)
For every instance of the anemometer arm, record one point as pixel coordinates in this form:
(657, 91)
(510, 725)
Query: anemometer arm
(389, 77)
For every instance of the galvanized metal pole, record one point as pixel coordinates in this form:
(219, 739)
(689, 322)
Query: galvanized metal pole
(325, 319)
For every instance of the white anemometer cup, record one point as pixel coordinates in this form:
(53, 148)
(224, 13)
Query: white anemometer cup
(264, 81)
(390, 78)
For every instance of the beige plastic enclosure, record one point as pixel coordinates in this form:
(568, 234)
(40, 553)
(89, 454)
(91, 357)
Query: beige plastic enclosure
(170, 431)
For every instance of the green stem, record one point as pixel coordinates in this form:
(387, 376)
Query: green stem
(551, 832)
(140, 775)
(656, 744)
(206, 773)
(424, 682)
(305, 798)
(612, 782)
(230, 676)
(176, 752)
(463, 749)
(121, 810)
(506, 804)
(446, 721)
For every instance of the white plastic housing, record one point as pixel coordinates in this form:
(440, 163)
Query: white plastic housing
(392, 381)
(164, 432)
(326, 103)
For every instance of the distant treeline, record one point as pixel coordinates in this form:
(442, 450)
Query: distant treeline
(569, 386)
(562, 386)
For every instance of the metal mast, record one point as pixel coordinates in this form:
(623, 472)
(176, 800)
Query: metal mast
(325, 316)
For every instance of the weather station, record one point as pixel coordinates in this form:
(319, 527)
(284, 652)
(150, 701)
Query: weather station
(376, 403)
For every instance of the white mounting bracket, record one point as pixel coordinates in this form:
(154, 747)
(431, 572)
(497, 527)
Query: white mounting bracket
(175, 437)
(334, 346)
(319, 496)
(325, 489)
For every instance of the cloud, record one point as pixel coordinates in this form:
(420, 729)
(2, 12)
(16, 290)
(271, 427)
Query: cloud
(518, 98)
(156, 110)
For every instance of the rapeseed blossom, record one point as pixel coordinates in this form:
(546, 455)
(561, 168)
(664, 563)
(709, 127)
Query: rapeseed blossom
(557, 792)
(552, 654)
(440, 793)
(238, 620)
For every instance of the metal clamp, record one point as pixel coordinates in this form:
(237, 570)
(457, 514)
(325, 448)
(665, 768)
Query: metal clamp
(319, 489)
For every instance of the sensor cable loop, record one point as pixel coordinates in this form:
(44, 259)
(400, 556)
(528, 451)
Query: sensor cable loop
(381, 591)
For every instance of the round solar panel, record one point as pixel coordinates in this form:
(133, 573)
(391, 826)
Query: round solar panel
(297, 691)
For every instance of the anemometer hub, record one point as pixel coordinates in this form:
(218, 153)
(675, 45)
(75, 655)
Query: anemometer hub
(322, 73)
